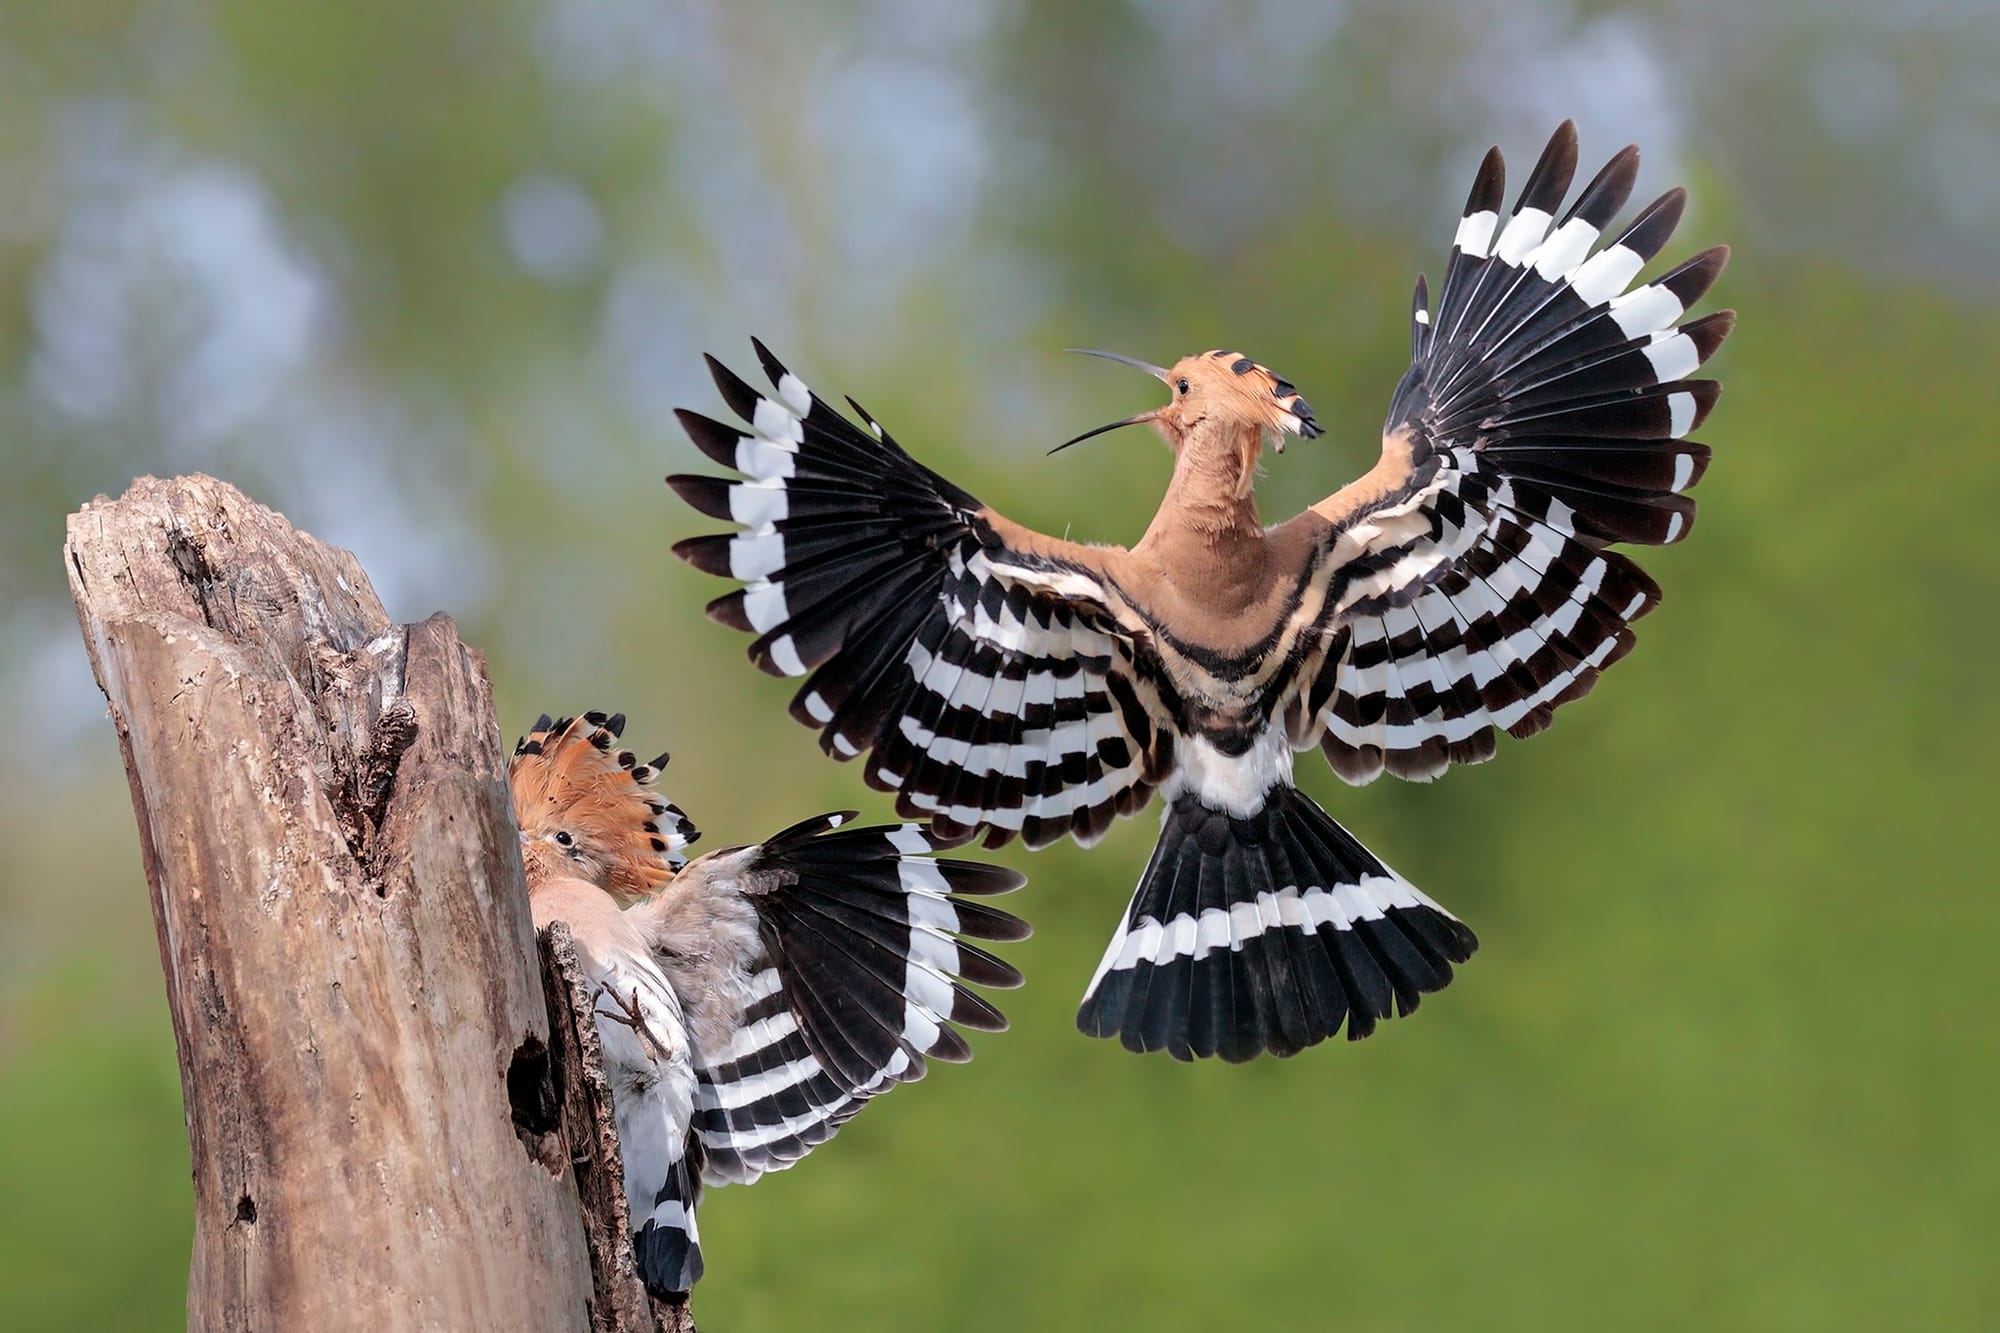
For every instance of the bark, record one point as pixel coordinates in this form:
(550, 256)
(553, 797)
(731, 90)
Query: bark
(366, 1054)
(586, 1113)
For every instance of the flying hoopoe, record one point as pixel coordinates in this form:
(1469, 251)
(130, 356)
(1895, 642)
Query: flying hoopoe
(1013, 682)
(751, 1001)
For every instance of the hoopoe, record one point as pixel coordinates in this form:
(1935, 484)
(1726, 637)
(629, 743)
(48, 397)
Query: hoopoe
(753, 1000)
(1014, 682)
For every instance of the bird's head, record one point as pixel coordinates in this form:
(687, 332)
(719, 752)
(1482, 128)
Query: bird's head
(586, 809)
(1223, 392)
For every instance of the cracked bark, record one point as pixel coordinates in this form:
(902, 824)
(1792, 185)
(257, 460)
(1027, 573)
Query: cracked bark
(387, 1130)
(586, 1111)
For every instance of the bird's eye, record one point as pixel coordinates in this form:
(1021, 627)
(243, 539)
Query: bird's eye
(1181, 384)
(563, 839)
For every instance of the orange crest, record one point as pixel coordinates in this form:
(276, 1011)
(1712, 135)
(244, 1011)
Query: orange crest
(1216, 387)
(593, 806)
(1251, 391)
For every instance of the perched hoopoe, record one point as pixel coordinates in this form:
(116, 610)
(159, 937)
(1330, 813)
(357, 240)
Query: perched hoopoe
(1022, 684)
(750, 1001)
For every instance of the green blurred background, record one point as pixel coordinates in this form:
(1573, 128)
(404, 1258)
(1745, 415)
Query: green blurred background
(430, 277)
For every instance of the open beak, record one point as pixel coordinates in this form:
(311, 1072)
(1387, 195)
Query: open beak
(1137, 418)
(1133, 361)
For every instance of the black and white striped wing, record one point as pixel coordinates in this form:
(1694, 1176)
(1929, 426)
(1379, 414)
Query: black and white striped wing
(981, 664)
(1545, 417)
(861, 982)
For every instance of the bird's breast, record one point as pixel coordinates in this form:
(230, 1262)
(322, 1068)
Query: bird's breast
(1227, 623)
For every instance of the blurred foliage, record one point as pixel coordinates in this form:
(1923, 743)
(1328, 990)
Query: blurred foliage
(428, 278)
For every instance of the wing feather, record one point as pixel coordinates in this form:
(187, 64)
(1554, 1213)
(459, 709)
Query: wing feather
(983, 668)
(1544, 417)
(856, 982)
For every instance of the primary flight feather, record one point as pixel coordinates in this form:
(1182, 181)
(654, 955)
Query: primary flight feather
(1006, 681)
(752, 1001)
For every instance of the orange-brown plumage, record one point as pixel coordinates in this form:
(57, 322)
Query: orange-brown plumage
(1023, 684)
(587, 810)
(750, 1002)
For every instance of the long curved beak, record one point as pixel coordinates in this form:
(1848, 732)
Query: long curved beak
(1132, 361)
(1137, 418)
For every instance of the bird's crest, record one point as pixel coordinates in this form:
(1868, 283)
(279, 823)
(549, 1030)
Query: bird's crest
(1217, 384)
(1294, 414)
(575, 789)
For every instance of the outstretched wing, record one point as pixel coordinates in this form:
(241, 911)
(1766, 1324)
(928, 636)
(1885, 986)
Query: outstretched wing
(1544, 417)
(998, 675)
(856, 980)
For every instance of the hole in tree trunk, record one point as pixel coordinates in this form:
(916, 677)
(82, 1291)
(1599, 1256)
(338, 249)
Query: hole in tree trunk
(531, 1092)
(246, 1209)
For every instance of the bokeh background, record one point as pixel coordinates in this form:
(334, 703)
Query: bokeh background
(430, 277)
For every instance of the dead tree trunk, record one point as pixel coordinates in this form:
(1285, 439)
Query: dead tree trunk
(365, 1049)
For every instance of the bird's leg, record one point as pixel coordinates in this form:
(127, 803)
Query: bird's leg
(632, 1016)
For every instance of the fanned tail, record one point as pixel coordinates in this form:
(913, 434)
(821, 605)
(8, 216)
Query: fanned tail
(1266, 932)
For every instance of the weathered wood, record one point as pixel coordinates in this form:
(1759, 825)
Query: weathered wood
(577, 1062)
(336, 881)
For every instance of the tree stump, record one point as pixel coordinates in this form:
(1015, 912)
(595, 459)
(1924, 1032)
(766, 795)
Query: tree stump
(367, 1059)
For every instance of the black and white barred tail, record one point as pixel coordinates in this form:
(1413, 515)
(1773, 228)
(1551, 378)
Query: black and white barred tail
(1266, 932)
(866, 953)
(642, 1030)
(666, 1245)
